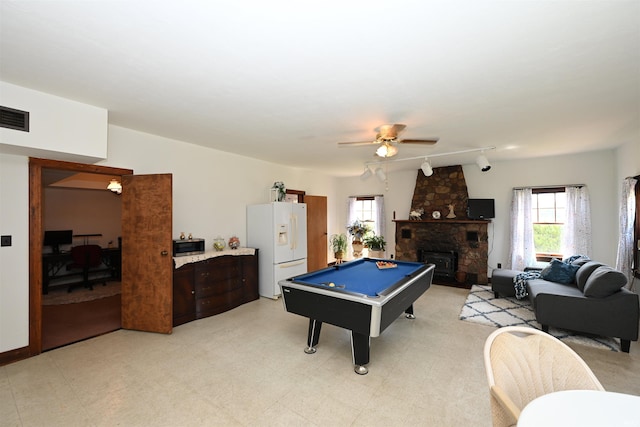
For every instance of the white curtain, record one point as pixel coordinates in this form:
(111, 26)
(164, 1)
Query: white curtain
(380, 218)
(576, 233)
(351, 216)
(523, 253)
(624, 259)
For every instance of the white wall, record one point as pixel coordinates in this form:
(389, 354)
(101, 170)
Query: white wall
(596, 169)
(211, 188)
(59, 128)
(14, 259)
(628, 160)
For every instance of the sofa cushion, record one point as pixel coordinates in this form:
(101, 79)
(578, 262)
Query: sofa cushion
(580, 261)
(584, 272)
(604, 281)
(560, 272)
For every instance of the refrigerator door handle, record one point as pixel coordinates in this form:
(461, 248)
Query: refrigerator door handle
(294, 232)
(291, 264)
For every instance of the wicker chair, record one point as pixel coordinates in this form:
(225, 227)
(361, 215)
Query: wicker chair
(524, 363)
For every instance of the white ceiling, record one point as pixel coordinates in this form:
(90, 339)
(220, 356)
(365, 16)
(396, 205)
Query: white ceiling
(286, 80)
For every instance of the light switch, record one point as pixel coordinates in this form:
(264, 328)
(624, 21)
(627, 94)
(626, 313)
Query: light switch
(5, 240)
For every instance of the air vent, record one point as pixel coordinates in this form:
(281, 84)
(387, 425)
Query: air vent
(14, 119)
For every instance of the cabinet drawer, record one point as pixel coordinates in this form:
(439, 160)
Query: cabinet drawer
(210, 306)
(211, 288)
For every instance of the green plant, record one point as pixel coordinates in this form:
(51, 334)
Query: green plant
(359, 229)
(375, 243)
(338, 242)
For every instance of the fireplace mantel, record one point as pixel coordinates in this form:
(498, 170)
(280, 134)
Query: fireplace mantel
(446, 221)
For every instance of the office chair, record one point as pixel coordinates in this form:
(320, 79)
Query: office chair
(524, 363)
(85, 257)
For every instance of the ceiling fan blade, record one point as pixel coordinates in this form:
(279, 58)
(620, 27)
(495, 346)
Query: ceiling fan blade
(356, 143)
(429, 141)
(389, 132)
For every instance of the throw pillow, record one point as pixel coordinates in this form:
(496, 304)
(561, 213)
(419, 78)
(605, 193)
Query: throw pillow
(560, 272)
(604, 281)
(584, 272)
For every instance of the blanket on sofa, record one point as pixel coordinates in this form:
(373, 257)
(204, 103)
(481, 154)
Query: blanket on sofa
(520, 282)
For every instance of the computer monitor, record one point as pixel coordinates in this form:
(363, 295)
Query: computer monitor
(55, 238)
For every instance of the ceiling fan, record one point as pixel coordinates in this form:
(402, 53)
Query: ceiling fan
(387, 137)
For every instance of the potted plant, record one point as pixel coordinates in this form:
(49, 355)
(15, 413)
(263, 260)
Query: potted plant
(376, 245)
(358, 229)
(339, 245)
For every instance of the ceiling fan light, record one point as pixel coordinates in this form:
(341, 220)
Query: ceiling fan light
(386, 150)
(366, 174)
(427, 170)
(483, 163)
(380, 174)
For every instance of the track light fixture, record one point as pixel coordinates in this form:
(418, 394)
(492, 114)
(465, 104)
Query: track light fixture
(483, 163)
(380, 174)
(426, 167)
(366, 174)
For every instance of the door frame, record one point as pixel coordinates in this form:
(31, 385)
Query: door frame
(36, 165)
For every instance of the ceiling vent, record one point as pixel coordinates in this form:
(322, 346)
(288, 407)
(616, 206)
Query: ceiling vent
(14, 119)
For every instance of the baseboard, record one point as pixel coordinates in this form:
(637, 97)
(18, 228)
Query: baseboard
(14, 355)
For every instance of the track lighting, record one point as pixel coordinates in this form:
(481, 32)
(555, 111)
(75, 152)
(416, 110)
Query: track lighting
(426, 167)
(483, 163)
(380, 174)
(366, 174)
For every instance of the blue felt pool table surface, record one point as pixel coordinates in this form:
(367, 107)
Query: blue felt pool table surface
(361, 276)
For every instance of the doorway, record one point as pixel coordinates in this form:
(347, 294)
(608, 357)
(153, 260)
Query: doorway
(36, 232)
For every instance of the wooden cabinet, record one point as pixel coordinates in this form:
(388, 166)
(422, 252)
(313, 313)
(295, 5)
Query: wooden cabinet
(213, 286)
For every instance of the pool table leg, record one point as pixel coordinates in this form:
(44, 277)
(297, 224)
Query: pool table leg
(360, 352)
(408, 313)
(314, 336)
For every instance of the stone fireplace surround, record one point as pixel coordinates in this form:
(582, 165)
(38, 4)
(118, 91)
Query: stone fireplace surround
(466, 237)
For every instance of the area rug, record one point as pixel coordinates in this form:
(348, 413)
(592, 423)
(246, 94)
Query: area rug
(483, 307)
(58, 295)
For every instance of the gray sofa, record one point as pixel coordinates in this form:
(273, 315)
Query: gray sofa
(594, 302)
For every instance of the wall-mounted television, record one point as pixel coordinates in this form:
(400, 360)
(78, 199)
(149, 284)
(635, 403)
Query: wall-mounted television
(480, 208)
(55, 238)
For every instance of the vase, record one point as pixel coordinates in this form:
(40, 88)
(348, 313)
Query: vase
(218, 244)
(338, 255)
(358, 246)
(376, 254)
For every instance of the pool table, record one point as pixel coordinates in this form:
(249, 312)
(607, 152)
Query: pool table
(359, 296)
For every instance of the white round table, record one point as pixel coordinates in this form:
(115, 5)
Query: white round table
(582, 408)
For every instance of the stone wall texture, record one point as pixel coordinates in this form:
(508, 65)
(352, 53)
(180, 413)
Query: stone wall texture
(469, 238)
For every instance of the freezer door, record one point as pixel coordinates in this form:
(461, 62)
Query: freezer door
(285, 270)
(283, 235)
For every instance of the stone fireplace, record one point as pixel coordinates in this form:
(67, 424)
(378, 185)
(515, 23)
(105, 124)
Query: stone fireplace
(429, 239)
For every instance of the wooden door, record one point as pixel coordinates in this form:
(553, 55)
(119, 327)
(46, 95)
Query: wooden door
(317, 238)
(147, 265)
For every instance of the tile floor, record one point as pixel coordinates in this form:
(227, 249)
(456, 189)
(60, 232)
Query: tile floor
(247, 367)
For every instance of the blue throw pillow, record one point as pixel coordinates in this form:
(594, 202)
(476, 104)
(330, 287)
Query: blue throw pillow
(560, 272)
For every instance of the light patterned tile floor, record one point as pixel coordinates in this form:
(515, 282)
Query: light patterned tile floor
(247, 367)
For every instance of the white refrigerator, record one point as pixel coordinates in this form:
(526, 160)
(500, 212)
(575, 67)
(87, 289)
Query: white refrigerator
(279, 231)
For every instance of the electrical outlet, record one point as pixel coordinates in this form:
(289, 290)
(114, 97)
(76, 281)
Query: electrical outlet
(5, 241)
(499, 265)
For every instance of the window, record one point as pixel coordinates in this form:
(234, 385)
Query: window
(548, 212)
(365, 210)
